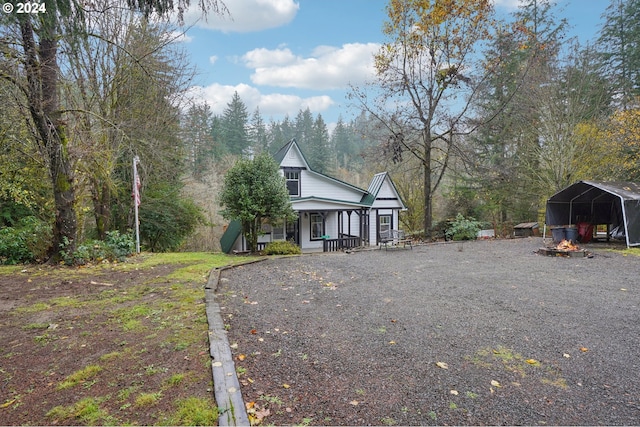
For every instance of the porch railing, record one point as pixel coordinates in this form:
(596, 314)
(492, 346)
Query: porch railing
(345, 241)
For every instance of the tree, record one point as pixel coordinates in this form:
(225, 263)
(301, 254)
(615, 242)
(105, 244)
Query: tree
(512, 102)
(619, 47)
(320, 153)
(254, 191)
(36, 72)
(258, 133)
(197, 133)
(235, 126)
(427, 75)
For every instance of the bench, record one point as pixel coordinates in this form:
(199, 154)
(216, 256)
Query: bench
(394, 238)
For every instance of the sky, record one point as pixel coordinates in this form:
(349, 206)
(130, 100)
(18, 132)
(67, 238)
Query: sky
(282, 56)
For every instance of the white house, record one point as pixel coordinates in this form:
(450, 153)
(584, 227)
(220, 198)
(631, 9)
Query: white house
(332, 215)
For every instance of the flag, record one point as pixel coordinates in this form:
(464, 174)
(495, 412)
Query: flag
(136, 182)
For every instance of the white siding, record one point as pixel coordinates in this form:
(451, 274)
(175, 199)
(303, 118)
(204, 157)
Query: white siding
(387, 192)
(313, 184)
(293, 159)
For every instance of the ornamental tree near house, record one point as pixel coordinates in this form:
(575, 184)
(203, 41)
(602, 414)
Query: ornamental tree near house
(254, 191)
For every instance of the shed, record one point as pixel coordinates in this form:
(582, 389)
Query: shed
(526, 229)
(616, 204)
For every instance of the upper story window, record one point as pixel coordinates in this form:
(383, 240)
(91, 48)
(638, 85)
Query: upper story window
(293, 181)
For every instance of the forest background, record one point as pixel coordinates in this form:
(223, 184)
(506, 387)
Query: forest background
(552, 113)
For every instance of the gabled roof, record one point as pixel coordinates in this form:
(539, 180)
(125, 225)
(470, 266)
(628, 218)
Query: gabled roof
(580, 191)
(293, 145)
(376, 185)
(281, 154)
(369, 196)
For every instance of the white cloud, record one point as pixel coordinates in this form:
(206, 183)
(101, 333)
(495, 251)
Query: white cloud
(245, 15)
(508, 4)
(260, 58)
(178, 37)
(327, 68)
(213, 59)
(271, 105)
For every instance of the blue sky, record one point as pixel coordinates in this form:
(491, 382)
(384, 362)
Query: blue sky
(287, 55)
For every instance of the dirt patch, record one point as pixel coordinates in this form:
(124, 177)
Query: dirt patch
(109, 344)
(454, 334)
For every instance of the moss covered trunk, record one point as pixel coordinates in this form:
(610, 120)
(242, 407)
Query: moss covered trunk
(42, 72)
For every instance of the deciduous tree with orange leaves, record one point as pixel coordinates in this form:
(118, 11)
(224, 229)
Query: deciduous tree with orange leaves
(428, 73)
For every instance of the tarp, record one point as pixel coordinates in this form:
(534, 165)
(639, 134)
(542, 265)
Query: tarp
(613, 203)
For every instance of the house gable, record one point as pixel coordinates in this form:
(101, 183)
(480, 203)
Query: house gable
(312, 183)
(382, 193)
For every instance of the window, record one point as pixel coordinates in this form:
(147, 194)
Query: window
(293, 181)
(317, 226)
(384, 222)
(278, 231)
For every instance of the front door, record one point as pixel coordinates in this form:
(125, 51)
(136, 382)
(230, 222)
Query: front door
(293, 231)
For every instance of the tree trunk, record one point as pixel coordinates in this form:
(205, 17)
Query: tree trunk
(101, 197)
(42, 78)
(428, 196)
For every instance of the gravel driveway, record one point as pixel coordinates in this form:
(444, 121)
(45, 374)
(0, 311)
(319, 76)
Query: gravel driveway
(484, 332)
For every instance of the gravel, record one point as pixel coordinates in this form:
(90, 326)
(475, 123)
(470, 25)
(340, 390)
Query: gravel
(484, 332)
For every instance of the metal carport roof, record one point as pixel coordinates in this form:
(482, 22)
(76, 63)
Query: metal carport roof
(613, 203)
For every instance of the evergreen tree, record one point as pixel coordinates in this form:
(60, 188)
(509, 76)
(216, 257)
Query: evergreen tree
(304, 129)
(258, 137)
(235, 126)
(320, 153)
(619, 47)
(197, 135)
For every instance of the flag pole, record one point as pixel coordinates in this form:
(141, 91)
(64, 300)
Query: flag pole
(136, 200)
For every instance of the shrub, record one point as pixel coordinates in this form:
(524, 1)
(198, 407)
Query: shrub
(27, 241)
(116, 247)
(463, 228)
(282, 247)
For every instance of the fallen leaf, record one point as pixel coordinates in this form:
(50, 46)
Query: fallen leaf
(286, 386)
(442, 365)
(262, 413)
(454, 392)
(392, 342)
(584, 349)
(7, 404)
(250, 405)
(532, 361)
(253, 331)
(495, 383)
(354, 403)
(241, 357)
(566, 355)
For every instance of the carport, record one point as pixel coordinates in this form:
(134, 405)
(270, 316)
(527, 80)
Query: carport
(616, 204)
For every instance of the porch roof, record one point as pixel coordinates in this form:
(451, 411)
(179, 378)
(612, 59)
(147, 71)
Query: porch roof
(322, 203)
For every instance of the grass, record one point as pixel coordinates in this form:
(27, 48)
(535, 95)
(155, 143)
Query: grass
(148, 399)
(156, 313)
(80, 376)
(193, 412)
(87, 411)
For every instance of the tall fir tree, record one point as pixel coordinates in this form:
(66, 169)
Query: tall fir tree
(235, 126)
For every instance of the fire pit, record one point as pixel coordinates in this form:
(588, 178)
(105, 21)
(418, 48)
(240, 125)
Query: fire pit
(564, 248)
